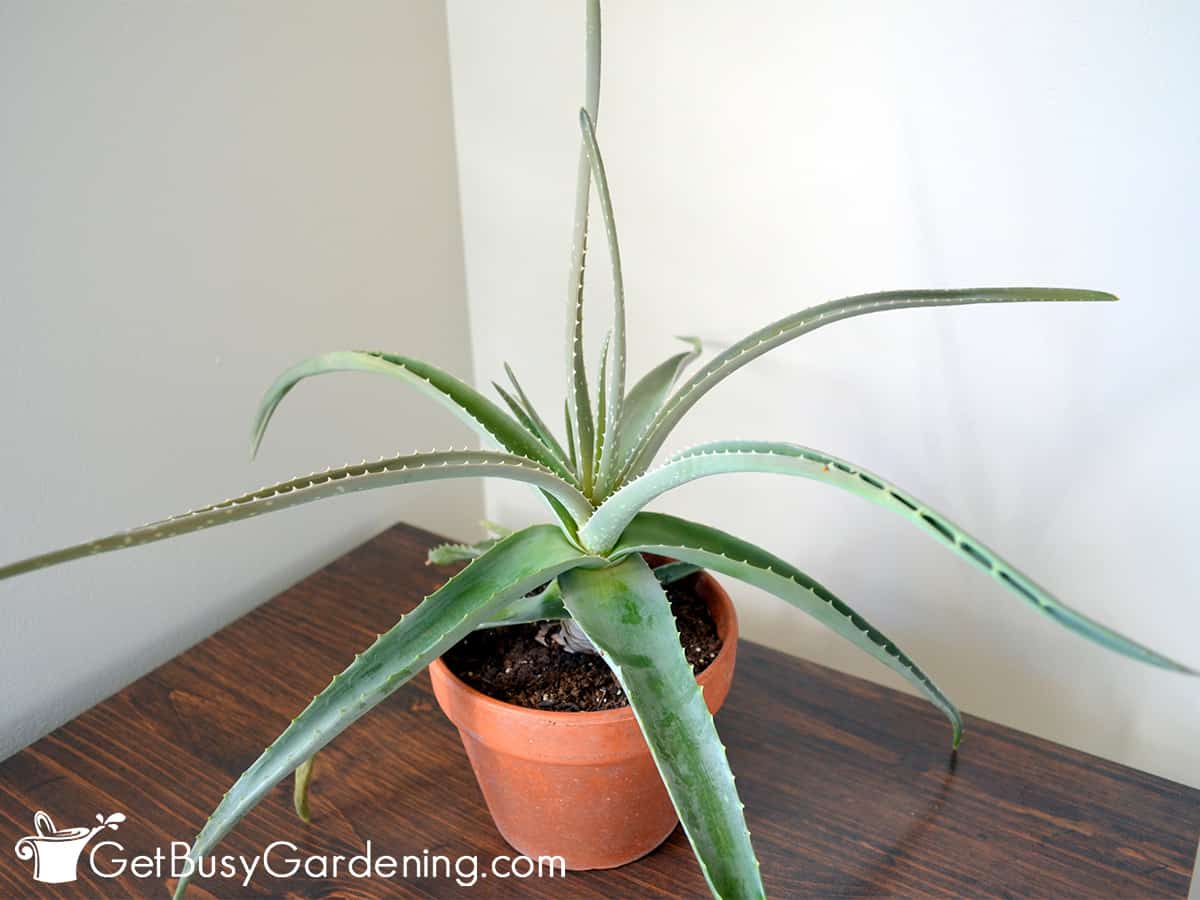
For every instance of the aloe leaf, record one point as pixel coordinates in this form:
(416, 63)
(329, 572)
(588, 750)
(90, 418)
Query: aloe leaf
(303, 779)
(616, 390)
(319, 485)
(607, 523)
(649, 442)
(577, 391)
(722, 552)
(624, 612)
(464, 401)
(602, 401)
(448, 554)
(528, 424)
(571, 453)
(669, 573)
(540, 428)
(545, 604)
(509, 570)
(646, 398)
(581, 412)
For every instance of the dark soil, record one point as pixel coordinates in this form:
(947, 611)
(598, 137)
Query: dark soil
(512, 665)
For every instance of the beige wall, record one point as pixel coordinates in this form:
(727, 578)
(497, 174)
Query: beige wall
(766, 156)
(192, 197)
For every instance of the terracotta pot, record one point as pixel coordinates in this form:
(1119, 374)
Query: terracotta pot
(579, 785)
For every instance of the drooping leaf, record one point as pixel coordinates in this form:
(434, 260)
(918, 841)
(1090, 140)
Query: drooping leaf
(607, 523)
(464, 401)
(319, 485)
(646, 398)
(722, 552)
(791, 327)
(507, 571)
(303, 780)
(624, 612)
(616, 389)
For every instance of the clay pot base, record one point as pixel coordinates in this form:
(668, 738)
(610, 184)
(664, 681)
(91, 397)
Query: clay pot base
(578, 785)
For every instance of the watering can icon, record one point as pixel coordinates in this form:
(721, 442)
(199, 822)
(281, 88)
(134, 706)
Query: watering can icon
(56, 853)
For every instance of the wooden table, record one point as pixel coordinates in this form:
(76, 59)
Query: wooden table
(849, 787)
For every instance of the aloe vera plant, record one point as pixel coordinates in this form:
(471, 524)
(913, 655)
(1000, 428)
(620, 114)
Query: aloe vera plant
(596, 478)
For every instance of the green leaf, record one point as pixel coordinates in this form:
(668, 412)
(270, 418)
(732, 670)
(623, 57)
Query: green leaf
(304, 489)
(602, 399)
(507, 571)
(721, 552)
(303, 779)
(581, 411)
(578, 403)
(572, 455)
(616, 390)
(646, 398)
(791, 327)
(669, 573)
(464, 401)
(607, 523)
(539, 427)
(527, 423)
(448, 554)
(624, 612)
(545, 604)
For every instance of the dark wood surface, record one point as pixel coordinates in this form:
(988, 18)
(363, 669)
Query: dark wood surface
(849, 788)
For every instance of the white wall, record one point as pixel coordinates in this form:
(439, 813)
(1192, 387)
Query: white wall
(768, 156)
(192, 197)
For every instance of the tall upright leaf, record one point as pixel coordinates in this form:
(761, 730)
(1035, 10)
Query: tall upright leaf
(603, 399)
(540, 428)
(616, 390)
(578, 401)
(521, 414)
(646, 398)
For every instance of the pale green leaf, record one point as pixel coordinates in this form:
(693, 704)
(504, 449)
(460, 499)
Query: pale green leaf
(578, 401)
(791, 327)
(319, 485)
(624, 612)
(646, 398)
(464, 401)
(509, 570)
(539, 427)
(607, 523)
(724, 553)
(616, 390)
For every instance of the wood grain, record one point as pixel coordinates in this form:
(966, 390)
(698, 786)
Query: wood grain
(849, 787)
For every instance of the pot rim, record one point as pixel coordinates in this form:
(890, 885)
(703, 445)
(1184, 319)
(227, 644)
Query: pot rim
(725, 616)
